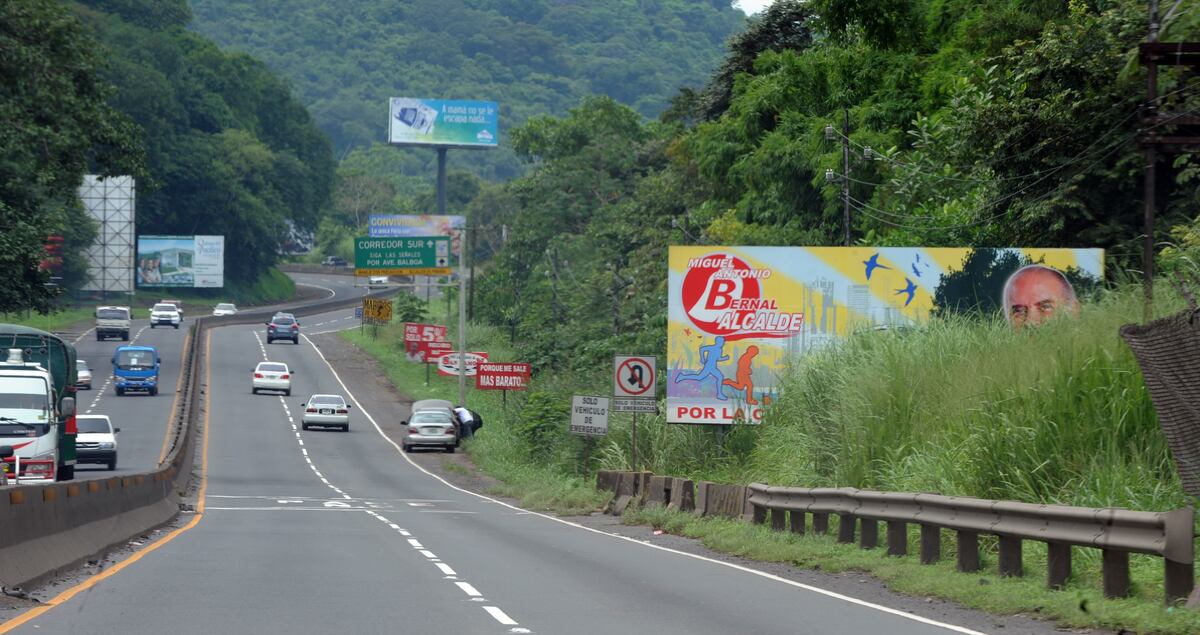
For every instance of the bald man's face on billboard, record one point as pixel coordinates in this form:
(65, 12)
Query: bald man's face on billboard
(1035, 294)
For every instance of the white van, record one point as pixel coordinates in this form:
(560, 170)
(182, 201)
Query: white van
(112, 321)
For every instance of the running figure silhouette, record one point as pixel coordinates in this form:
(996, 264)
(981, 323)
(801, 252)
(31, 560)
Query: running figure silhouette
(745, 375)
(710, 356)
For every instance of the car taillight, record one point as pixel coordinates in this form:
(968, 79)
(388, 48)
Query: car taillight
(284, 376)
(258, 375)
(450, 430)
(342, 411)
(413, 431)
(295, 327)
(310, 410)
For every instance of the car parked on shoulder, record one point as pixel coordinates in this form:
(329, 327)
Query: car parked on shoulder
(334, 261)
(165, 314)
(272, 376)
(430, 428)
(84, 374)
(97, 441)
(283, 327)
(225, 308)
(330, 411)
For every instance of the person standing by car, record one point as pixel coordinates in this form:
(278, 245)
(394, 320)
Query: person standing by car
(468, 421)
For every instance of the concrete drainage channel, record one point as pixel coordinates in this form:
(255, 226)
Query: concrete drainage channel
(51, 527)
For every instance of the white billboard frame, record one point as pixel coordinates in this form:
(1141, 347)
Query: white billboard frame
(111, 202)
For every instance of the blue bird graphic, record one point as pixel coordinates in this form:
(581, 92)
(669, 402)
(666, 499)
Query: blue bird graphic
(911, 290)
(916, 271)
(872, 264)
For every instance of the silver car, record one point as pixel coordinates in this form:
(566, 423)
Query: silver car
(84, 373)
(272, 376)
(225, 308)
(330, 411)
(430, 428)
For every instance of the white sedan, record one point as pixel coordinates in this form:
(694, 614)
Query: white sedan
(224, 308)
(329, 411)
(272, 376)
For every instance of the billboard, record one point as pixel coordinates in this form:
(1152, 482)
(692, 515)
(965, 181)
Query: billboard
(181, 261)
(409, 225)
(738, 315)
(443, 122)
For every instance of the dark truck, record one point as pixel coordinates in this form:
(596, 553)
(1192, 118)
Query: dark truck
(37, 404)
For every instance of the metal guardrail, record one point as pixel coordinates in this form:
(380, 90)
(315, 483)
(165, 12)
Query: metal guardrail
(1116, 532)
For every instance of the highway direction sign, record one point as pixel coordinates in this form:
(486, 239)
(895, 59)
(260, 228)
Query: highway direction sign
(407, 256)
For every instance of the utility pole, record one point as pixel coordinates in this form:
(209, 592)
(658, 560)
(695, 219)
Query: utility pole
(1184, 137)
(846, 175)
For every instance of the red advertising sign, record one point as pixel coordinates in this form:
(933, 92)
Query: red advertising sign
(426, 352)
(502, 376)
(416, 332)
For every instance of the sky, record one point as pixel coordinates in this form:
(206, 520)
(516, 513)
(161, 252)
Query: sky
(752, 6)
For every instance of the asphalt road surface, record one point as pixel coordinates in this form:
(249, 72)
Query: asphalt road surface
(324, 531)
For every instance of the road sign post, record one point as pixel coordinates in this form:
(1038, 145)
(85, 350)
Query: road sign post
(635, 387)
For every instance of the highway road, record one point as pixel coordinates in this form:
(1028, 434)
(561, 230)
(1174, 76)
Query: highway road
(324, 531)
(144, 420)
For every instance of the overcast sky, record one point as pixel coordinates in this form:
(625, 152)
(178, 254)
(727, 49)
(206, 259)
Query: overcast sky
(752, 6)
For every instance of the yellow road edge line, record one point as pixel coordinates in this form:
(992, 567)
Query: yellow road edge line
(66, 595)
(162, 455)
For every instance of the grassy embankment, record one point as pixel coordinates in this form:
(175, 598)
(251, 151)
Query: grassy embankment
(1056, 415)
(272, 287)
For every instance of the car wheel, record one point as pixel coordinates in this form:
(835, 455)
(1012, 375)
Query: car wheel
(120, 391)
(287, 393)
(303, 426)
(99, 337)
(450, 449)
(407, 447)
(176, 327)
(346, 428)
(152, 326)
(296, 341)
(154, 391)
(125, 336)
(112, 465)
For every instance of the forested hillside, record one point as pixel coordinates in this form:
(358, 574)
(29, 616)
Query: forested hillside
(533, 57)
(229, 151)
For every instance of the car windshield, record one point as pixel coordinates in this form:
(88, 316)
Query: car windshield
(168, 308)
(273, 368)
(225, 307)
(81, 365)
(93, 425)
(283, 321)
(112, 314)
(133, 360)
(430, 416)
(327, 400)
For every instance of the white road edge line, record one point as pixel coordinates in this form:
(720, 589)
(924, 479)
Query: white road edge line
(738, 567)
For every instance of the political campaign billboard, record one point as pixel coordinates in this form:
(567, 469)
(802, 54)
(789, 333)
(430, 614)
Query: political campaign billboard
(443, 122)
(180, 261)
(739, 315)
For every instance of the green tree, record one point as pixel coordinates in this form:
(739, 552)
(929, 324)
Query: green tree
(57, 125)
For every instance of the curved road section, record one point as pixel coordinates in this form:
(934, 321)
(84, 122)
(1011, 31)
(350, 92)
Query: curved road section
(324, 531)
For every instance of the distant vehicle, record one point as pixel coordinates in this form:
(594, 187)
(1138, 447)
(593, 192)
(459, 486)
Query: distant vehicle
(177, 303)
(271, 376)
(377, 281)
(37, 414)
(84, 373)
(283, 327)
(225, 308)
(334, 261)
(135, 368)
(430, 428)
(326, 411)
(113, 321)
(165, 314)
(97, 442)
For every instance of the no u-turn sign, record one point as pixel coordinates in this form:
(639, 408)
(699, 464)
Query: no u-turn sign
(633, 376)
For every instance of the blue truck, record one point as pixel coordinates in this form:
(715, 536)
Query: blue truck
(135, 368)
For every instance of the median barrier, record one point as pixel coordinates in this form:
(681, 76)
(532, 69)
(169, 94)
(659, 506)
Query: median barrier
(49, 527)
